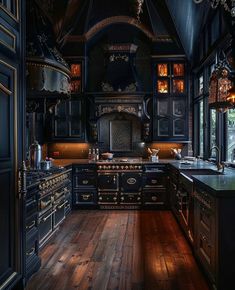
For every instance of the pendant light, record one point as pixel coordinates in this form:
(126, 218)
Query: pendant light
(219, 87)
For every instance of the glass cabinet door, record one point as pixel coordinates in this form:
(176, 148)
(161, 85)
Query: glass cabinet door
(170, 105)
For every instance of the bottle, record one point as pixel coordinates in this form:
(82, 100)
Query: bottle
(93, 154)
(89, 154)
(97, 154)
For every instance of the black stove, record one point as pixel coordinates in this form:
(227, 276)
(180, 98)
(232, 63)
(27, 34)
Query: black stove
(36, 176)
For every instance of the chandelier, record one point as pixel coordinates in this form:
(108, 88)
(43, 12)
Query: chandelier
(215, 3)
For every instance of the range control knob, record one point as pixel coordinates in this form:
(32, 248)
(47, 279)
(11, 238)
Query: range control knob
(100, 198)
(117, 166)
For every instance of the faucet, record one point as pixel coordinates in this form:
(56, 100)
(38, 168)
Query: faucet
(219, 164)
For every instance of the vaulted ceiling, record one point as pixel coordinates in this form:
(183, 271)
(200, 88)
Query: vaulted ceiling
(180, 20)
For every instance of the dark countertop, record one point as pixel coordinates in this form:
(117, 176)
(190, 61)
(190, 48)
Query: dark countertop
(219, 185)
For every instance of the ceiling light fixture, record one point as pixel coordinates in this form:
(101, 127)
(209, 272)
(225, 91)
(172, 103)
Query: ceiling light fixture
(215, 3)
(139, 8)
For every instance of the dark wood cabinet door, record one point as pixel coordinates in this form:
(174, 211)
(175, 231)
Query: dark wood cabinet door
(170, 105)
(68, 121)
(11, 140)
(9, 207)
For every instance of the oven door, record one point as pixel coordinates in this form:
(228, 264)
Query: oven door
(59, 212)
(108, 181)
(131, 181)
(45, 226)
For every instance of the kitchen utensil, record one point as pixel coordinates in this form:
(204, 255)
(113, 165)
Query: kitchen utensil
(107, 156)
(35, 155)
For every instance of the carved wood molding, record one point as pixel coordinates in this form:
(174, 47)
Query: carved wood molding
(109, 21)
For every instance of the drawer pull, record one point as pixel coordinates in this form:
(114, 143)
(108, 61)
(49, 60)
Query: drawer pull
(46, 218)
(31, 226)
(131, 181)
(63, 204)
(85, 197)
(153, 181)
(30, 252)
(85, 181)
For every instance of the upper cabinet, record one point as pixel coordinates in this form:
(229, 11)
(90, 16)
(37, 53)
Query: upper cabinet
(76, 77)
(170, 121)
(68, 122)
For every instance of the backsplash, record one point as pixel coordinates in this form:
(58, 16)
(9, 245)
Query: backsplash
(80, 150)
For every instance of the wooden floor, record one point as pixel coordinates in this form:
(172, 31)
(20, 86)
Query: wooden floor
(118, 250)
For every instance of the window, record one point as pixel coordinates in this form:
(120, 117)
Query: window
(200, 85)
(230, 150)
(201, 127)
(212, 127)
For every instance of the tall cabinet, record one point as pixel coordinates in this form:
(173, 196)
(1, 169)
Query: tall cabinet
(170, 122)
(11, 136)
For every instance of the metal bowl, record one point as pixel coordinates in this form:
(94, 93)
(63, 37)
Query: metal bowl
(107, 156)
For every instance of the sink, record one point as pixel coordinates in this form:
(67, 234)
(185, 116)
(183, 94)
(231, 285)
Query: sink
(191, 172)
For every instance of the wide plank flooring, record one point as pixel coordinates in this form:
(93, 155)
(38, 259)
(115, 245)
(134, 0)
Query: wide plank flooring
(118, 250)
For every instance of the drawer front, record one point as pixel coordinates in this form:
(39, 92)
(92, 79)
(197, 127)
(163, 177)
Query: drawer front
(85, 197)
(206, 253)
(154, 197)
(206, 219)
(31, 223)
(31, 206)
(108, 198)
(153, 180)
(84, 168)
(131, 198)
(204, 198)
(84, 179)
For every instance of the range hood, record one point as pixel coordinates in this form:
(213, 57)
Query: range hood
(46, 69)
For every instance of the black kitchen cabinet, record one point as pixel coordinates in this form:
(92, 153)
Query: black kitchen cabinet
(170, 122)
(68, 122)
(154, 193)
(214, 235)
(12, 98)
(84, 185)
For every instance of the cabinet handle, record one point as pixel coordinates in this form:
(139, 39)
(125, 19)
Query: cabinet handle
(31, 226)
(46, 218)
(85, 197)
(30, 252)
(60, 206)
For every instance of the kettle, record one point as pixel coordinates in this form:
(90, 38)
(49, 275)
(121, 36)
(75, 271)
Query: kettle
(35, 155)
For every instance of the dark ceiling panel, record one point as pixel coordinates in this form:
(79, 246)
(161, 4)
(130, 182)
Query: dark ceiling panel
(188, 18)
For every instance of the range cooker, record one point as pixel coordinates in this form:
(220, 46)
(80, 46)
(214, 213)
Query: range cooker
(53, 199)
(119, 182)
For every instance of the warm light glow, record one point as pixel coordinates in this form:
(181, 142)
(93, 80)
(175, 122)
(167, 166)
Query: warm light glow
(162, 70)
(231, 95)
(178, 69)
(162, 87)
(76, 70)
(178, 86)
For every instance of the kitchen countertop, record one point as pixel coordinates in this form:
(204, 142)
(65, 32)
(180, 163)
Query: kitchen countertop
(219, 185)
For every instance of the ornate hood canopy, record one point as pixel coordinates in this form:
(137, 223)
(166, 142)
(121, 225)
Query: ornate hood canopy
(46, 69)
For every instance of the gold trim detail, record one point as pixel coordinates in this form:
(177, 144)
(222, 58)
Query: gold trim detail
(48, 66)
(15, 105)
(4, 29)
(14, 16)
(5, 90)
(4, 285)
